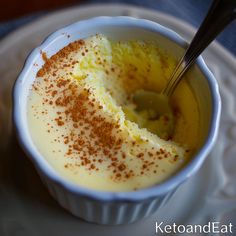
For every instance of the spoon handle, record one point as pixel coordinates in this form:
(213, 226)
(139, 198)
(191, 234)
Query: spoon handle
(220, 14)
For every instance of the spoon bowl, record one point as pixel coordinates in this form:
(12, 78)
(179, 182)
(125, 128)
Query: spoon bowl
(151, 100)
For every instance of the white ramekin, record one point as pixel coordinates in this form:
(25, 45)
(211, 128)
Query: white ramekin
(122, 207)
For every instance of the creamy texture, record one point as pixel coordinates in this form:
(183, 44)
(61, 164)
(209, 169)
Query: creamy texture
(84, 122)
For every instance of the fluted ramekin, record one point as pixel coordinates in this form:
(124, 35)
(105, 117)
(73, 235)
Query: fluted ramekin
(116, 207)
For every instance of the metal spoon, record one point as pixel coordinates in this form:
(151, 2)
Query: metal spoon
(220, 14)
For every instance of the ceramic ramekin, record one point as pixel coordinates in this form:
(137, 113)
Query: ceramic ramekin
(122, 207)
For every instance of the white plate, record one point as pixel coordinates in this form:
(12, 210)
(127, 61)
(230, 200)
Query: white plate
(26, 207)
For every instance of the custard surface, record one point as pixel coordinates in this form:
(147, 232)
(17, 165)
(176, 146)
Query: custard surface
(84, 122)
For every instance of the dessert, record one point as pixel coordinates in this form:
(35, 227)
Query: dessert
(84, 121)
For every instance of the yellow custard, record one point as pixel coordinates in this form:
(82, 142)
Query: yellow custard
(83, 119)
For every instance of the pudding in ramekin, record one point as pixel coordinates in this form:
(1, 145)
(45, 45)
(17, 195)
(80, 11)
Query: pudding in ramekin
(100, 157)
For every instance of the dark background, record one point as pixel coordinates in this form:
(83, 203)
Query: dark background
(14, 13)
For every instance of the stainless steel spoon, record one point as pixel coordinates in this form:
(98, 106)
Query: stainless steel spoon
(220, 14)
